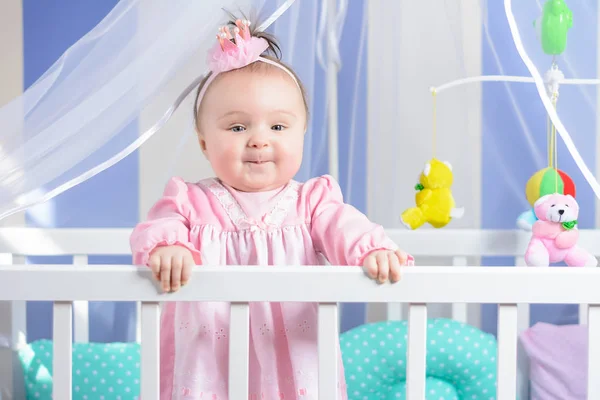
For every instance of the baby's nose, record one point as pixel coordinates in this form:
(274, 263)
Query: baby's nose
(561, 212)
(258, 142)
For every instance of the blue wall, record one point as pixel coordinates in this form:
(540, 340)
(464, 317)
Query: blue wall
(109, 199)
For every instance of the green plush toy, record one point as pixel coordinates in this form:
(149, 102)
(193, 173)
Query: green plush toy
(553, 26)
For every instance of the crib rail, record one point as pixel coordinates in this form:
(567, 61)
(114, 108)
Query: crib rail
(461, 247)
(326, 285)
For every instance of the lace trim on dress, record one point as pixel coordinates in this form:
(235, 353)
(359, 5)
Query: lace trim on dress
(272, 220)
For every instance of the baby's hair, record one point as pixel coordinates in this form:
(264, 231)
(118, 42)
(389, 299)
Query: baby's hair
(273, 53)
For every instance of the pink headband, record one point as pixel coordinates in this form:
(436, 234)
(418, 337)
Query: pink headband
(226, 55)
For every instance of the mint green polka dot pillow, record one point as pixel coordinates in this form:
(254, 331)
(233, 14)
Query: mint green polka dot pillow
(461, 361)
(100, 371)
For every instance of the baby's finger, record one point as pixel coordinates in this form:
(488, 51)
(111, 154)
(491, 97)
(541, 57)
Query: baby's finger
(383, 267)
(402, 257)
(154, 264)
(165, 273)
(370, 266)
(394, 267)
(186, 272)
(176, 266)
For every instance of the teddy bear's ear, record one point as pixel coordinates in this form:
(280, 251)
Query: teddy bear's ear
(570, 197)
(448, 165)
(427, 169)
(541, 200)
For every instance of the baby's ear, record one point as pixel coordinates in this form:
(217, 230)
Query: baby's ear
(202, 143)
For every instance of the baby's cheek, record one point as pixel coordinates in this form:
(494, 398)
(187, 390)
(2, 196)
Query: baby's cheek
(291, 149)
(225, 162)
(290, 163)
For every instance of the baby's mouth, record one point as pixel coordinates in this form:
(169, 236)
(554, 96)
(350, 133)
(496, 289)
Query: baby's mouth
(258, 162)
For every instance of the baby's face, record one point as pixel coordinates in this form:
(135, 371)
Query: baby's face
(252, 126)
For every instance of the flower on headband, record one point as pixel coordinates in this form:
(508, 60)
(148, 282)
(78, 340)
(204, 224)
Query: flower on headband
(227, 55)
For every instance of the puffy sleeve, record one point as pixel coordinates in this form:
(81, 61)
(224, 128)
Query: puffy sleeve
(342, 233)
(167, 224)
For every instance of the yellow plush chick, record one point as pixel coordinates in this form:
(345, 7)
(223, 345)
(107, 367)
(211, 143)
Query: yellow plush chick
(435, 204)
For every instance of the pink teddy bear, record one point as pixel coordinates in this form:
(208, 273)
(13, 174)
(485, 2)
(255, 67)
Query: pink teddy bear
(555, 235)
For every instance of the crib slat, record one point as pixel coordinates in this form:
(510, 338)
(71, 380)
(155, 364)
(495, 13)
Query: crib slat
(523, 309)
(81, 308)
(328, 351)
(523, 323)
(583, 313)
(459, 310)
(417, 348)
(18, 335)
(507, 352)
(593, 320)
(239, 330)
(63, 350)
(19, 312)
(12, 335)
(150, 357)
(138, 322)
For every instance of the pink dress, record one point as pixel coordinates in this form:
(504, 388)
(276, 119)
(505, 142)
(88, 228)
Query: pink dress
(299, 224)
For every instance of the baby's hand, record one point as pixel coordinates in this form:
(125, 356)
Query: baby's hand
(172, 266)
(382, 264)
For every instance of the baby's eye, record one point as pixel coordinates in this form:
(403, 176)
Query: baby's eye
(277, 127)
(238, 129)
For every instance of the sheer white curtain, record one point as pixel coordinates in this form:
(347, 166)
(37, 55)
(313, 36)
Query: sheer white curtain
(68, 126)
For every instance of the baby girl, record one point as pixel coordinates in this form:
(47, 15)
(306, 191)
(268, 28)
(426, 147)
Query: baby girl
(251, 118)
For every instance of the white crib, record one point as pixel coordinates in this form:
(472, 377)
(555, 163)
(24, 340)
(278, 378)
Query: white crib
(453, 282)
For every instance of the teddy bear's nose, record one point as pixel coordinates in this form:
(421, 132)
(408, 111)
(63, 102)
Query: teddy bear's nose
(561, 212)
